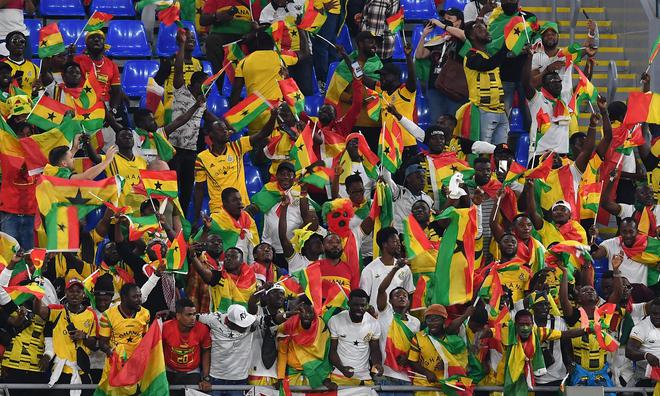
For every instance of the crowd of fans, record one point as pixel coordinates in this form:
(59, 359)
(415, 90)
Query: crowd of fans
(551, 293)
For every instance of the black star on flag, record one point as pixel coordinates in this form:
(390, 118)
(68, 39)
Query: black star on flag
(301, 147)
(245, 112)
(516, 31)
(78, 199)
(387, 150)
(293, 33)
(61, 227)
(297, 97)
(87, 89)
(43, 43)
(86, 116)
(158, 185)
(454, 168)
(51, 116)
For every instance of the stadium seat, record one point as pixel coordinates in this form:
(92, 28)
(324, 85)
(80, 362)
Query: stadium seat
(217, 104)
(418, 10)
(522, 151)
(135, 75)
(423, 114)
(344, 38)
(252, 179)
(226, 88)
(70, 30)
(417, 34)
(398, 48)
(460, 4)
(34, 25)
(516, 121)
(206, 67)
(313, 104)
(61, 8)
(166, 41)
(127, 39)
(117, 8)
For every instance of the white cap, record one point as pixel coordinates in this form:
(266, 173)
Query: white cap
(561, 203)
(238, 315)
(276, 286)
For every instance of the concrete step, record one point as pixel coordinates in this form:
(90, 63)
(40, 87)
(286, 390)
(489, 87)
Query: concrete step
(581, 26)
(560, 3)
(606, 40)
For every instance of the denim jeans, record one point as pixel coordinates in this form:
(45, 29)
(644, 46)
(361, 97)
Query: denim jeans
(494, 127)
(301, 72)
(217, 381)
(322, 49)
(510, 88)
(20, 227)
(392, 381)
(440, 104)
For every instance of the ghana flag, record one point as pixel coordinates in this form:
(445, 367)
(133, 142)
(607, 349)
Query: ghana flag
(48, 113)
(232, 230)
(156, 143)
(585, 90)
(63, 229)
(10, 148)
(269, 196)
(570, 254)
(643, 107)
(310, 282)
(97, 21)
(302, 151)
(85, 194)
(51, 42)
(312, 20)
(233, 54)
(310, 347)
(160, 183)
(169, 12)
(452, 283)
(395, 21)
(138, 226)
(390, 144)
(590, 200)
(516, 34)
(397, 343)
(176, 254)
(319, 176)
(145, 366)
(235, 289)
(21, 294)
(37, 147)
(292, 95)
(469, 124)
(246, 111)
(382, 211)
(419, 250)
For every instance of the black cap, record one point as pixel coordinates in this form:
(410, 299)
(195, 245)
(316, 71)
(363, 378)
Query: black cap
(363, 35)
(390, 68)
(453, 12)
(286, 165)
(502, 148)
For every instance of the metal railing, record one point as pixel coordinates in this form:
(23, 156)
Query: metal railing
(576, 7)
(383, 388)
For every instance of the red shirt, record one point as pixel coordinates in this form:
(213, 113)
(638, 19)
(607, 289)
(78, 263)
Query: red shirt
(17, 190)
(341, 273)
(107, 72)
(182, 352)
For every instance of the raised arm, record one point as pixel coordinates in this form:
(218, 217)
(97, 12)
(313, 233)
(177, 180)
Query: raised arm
(495, 220)
(381, 299)
(179, 79)
(204, 272)
(605, 142)
(605, 201)
(96, 170)
(617, 284)
(583, 158)
(527, 78)
(566, 306)
(185, 117)
(422, 52)
(287, 247)
(411, 80)
(530, 201)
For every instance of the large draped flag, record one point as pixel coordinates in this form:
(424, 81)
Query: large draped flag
(390, 144)
(421, 252)
(343, 77)
(246, 111)
(642, 107)
(369, 159)
(21, 294)
(468, 122)
(524, 360)
(10, 148)
(145, 367)
(232, 230)
(397, 343)
(453, 278)
(235, 289)
(309, 279)
(48, 113)
(382, 211)
(37, 147)
(51, 42)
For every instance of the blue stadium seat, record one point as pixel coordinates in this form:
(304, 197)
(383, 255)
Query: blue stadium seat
(418, 9)
(460, 4)
(417, 34)
(344, 38)
(118, 8)
(127, 39)
(34, 25)
(252, 179)
(206, 67)
(61, 8)
(398, 48)
(313, 104)
(516, 122)
(423, 114)
(331, 71)
(135, 75)
(315, 86)
(522, 151)
(217, 104)
(166, 41)
(71, 29)
(226, 88)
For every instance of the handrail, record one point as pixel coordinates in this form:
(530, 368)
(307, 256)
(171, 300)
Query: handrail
(554, 10)
(576, 7)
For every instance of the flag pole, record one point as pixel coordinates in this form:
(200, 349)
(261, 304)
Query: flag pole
(324, 39)
(525, 27)
(35, 105)
(233, 42)
(403, 36)
(81, 31)
(219, 73)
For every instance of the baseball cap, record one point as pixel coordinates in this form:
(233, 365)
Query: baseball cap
(238, 315)
(550, 25)
(561, 203)
(412, 169)
(390, 68)
(436, 309)
(502, 148)
(276, 286)
(363, 35)
(73, 282)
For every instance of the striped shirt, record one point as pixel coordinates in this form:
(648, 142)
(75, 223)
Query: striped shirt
(483, 77)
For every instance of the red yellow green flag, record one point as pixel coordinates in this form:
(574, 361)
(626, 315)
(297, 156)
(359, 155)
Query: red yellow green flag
(160, 183)
(233, 54)
(312, 20)
(85, 194)
(590, 200)
(63, 229)
(48, 113)
(390, 144)
(570, 254)
(138, 226)
(269, 196)
(452, 283)
(232, 230)
(156, 143)
(236, 289)
(643, 107)
(397, 343)
(469, 124)
(169, 12)
(145, 366)
(419, 250)
(319, 176)
(37, 257)
(516, 34)
(310, 282)
(21, 294)
(176, 254)
(97, 21)
(309, 346)
(246, 111)
(10, 148)
(373, 103)
(395, 22)
(37, 147)
(382, 211)
(292, 95)
(585, 90)
(302, 151)
(50, 41)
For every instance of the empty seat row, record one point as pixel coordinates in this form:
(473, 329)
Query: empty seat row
(74, 8)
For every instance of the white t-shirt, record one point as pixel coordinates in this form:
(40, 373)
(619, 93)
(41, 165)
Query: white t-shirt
(556, 137)
(230, 350)
(374, 273)
(385, 321)
(635, 272)
(556, 371)
(297, 262)
(353, 342)
(367, 245)
(257, 367)
(403, 202)
(271, 221)
(649, 336)
(357, 169)
(628, 210)
(470, 12)
(620, 362)
(541, 60)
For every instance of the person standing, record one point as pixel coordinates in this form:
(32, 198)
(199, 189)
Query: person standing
(12, 19)
(374, 19)
(25, 73)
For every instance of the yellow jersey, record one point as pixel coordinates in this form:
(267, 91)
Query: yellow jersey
(125, 333)
(29, 70)
(404, 101)
(485, 88)
(26, 347)
(129, 169)
(222, 171)
(428, 351)
(63, 346)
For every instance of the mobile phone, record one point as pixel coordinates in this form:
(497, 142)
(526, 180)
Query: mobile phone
(503, 166)
(357, 69)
